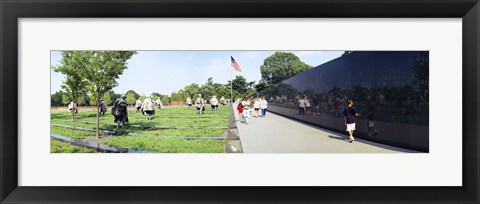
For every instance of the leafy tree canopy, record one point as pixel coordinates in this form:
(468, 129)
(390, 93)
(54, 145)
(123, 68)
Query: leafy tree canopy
(281, 66)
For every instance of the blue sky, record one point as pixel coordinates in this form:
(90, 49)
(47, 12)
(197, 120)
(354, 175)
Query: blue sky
(168, 71)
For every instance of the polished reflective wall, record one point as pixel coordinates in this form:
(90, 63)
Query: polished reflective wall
(388, 88)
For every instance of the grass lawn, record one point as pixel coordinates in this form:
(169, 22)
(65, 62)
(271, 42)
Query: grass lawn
(205, 125)
(167, 145)
(62, 147)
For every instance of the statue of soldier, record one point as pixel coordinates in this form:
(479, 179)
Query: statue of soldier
(189, 102)
(103, 107)
(223, 101)
(148, 108)
(138, 104)
(200, 104)
(159, 103)
(214, 103)
(119, 111)
(72, 107)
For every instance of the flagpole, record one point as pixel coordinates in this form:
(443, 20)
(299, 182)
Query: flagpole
(231, 86)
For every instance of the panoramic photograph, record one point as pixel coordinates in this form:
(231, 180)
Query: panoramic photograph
(239, 101)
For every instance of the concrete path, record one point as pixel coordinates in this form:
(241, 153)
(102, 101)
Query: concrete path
(278, 134)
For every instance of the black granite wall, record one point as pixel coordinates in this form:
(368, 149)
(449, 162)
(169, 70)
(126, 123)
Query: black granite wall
(387, 87)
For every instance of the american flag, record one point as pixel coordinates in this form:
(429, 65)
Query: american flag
(235, 65)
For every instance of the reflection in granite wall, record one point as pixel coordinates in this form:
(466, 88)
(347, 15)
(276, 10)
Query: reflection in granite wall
(389, 88)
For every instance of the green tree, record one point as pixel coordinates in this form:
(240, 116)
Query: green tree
(107, 99)
(260, 86)
(191, 90)
(207, 90)
(74, 84)
(239, 84)
(176, 96)
(281, 66)
(113, 96)
(130, 100)
(100, 71)
(56, 98)
(165, 99)
(84, 100)
(221, 90)
(135, 95)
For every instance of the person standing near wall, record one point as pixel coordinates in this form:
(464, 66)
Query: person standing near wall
(240, 110)
(246, 110)
(263, 106)
(307, 105)
(256, 106)
(349, 114)
(301, 106)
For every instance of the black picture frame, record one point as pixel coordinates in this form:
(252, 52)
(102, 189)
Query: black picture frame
(12, 10)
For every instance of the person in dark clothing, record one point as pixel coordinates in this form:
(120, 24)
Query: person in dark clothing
(119, 110)
(349, 114)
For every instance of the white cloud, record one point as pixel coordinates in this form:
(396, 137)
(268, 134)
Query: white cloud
(216, 61)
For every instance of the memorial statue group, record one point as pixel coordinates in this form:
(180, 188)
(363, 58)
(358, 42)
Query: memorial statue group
(200, 103)
(147, 107)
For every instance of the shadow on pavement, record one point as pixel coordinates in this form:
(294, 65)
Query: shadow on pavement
(337, 137)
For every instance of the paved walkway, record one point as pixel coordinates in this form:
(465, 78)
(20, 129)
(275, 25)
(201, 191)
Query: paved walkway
(278, 134)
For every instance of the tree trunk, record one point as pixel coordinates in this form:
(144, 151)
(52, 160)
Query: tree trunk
(98, 119)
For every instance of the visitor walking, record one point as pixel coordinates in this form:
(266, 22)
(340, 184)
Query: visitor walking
(240, 110)
(349, 115)
(256, 106)
(250, 113)
(263, 106)
(246, 110)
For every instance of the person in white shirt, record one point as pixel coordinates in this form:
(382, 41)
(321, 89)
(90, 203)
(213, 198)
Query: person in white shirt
(214, 103)
(263, 106)
(307, 106)
(301, 106)
(256, 106)
(246, 110)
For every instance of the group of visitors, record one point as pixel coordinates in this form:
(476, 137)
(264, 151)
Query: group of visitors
(250, 106)
(303, 106)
